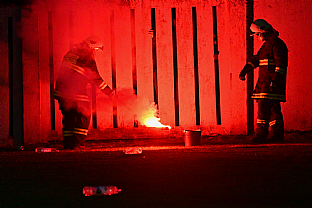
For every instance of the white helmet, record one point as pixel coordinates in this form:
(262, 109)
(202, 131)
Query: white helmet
(94, 42)
(259, 26)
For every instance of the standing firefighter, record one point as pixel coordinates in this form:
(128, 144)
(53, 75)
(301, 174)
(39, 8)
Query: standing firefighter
(272, 60)
(77, 70)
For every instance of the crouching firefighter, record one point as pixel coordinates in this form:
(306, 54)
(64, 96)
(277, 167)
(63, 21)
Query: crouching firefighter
(272, 60)
(77, 70)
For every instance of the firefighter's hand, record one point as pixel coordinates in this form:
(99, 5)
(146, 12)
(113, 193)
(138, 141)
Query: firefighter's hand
(247, 68)
(242, 75)
(108, 91)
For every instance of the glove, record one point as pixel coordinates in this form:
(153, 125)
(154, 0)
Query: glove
(243, 73)
(108, 91)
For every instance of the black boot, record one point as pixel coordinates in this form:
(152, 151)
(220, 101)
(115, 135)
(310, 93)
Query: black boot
(261, 133)
(259, 139)
(276, 133)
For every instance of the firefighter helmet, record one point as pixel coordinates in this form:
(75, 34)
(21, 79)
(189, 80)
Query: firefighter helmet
(259, 26)
(94, 42)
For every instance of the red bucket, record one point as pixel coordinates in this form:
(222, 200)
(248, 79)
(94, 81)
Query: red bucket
(192, 138)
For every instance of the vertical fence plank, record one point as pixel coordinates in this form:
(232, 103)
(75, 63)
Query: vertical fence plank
(186, 65)
(6, 123)
(62, 31)
(51, 67)
(102, 28)
(30, 70)
(17, 88)
(124, 67)
(206, 74)
(230, 18)
(113, 63)
(46, 73)
(144, 54)
(134, 60)
(10, 61)
(164, 66)
(216, 61)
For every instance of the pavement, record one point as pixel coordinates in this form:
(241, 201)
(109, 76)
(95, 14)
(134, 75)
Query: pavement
(223, 171)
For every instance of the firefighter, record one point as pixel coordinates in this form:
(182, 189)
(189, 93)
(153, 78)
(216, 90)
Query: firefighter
(77, 70)
(272, 60)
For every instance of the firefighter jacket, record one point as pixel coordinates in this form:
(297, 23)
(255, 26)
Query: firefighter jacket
(272, 60)
(77, 70)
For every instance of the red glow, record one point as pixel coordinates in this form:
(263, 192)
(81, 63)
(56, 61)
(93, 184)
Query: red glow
(150, 119)
(154, 122)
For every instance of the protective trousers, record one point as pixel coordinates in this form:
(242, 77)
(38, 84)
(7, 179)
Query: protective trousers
(270, 115)
(76, 120)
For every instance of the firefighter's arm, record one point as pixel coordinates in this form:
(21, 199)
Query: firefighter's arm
(281, 61)
(103, 86)
(95, 78)
(108, 91)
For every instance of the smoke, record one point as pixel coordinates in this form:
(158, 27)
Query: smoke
(140, 107)
(129, 105)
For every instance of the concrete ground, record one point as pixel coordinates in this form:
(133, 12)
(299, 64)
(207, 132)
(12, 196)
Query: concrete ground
(223, 171)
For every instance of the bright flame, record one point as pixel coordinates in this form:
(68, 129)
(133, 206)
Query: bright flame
(153, 122)
(149, 117)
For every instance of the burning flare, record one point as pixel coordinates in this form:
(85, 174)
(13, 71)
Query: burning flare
(150, 119)
(153, 122)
